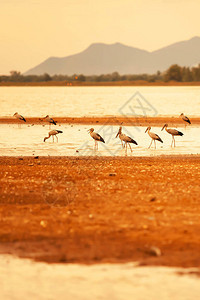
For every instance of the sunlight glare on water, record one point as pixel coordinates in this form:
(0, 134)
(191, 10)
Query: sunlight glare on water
(95, 101)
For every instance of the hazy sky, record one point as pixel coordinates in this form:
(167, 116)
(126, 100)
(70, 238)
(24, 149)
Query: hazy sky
(33, 30)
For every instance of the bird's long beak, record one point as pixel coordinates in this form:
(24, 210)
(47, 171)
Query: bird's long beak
(146, 130)
(117, 134)
(163, 127)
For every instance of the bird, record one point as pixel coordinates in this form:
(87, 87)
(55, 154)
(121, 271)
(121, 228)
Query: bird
(53, 133)
(19, 117)
(96, 137)
(50, 120)
(185, 119)
(153, 136)
(126, 139)
(173, 132)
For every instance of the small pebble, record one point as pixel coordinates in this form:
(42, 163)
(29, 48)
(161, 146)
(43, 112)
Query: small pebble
(43, 223)
(153, 199)
(154, 251)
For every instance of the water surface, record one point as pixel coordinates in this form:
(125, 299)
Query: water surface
(98, 101)
(24, 279)
(75, 140)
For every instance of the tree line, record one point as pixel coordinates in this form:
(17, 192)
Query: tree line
(173, 73)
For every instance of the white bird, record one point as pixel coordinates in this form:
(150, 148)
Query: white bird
(185, 119)
(19, 117)
(173, 132)
(96, 137)
(53, 133)
(126, 139)
(50, 120)
(154, 137)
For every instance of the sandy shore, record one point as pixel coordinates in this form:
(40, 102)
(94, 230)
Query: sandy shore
(108, 120)
(93, 210)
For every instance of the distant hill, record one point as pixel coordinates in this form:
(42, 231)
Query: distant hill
(103, 59)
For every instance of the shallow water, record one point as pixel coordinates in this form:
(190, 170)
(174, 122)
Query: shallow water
(25, 279)
(75, 140)
(99, 101)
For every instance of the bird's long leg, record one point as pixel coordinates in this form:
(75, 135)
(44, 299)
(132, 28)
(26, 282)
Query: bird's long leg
(155, 144)
(56, 138)
(97, 145)
(174, 142)
(53, 138)
(130, 147)
(122, 144)
(150, 143)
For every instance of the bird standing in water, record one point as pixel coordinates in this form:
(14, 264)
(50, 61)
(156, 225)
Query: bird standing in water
(96, 137)
(50, 121)
(173, 132)
(53, 133)
(126, 139)
(19, 117)
(153, 136)
(185, 119)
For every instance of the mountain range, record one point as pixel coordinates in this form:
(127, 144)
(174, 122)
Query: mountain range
(102, 58)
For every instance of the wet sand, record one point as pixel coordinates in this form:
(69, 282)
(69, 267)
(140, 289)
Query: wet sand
(108, 120)
(101, 209)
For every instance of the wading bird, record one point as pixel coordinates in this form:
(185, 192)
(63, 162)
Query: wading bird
(50, 120)
(173, 132)
(126, 139)
(96, 137)
(19, 117)
(185, 119)
(53, 133)
(154, 137)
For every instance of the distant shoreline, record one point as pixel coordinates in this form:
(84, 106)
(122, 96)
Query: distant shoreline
(113, 83)
(107, 120)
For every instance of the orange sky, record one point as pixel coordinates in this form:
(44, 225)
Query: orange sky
(33, 30)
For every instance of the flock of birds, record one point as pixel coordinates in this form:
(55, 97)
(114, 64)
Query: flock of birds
(125, 140)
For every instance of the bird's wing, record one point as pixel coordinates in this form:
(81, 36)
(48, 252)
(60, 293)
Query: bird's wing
(99, 137)
(173, 131)
(126, 138)
(123, 137)
(52, 132)
(186, 119)
(22, 118)
(52, 121)
(156, 137)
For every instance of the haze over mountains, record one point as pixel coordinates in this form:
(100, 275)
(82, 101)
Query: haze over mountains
(102, 58)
